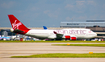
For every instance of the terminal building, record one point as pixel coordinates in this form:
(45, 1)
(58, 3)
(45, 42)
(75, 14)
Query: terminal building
(88, 23)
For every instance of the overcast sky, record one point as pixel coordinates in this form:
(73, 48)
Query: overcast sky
(38, 13)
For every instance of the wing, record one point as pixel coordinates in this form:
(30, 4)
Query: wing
(58, 36)
(61, 36)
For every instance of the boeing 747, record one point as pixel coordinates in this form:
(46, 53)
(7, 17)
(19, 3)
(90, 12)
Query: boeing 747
(71, 34)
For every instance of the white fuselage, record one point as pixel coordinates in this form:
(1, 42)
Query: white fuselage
(49, 34)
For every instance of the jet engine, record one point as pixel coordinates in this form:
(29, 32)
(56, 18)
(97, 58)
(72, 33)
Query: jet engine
(67, 37)
(73, 38)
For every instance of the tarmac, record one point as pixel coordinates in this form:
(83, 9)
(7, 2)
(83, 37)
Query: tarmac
(20, 49)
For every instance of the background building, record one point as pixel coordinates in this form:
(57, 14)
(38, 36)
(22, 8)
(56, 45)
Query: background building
(6, 32)
(88, 23)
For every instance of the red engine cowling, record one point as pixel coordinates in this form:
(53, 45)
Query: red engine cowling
(73, 38)
(67, 37)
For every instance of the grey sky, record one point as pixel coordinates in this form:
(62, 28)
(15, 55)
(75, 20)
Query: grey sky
(38, 13)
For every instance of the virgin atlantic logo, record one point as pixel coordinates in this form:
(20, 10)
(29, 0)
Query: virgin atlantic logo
(16, 25)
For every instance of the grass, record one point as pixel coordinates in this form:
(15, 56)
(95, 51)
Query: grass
(1, 41)
(64, 55)
(98, 45)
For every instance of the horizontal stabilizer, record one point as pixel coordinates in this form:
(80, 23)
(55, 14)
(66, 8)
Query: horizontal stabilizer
(18, 31)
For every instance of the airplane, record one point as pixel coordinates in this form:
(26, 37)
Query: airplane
(69, 34)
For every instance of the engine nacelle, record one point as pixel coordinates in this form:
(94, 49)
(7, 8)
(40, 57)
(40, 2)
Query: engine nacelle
(73, 38)
(67, 37)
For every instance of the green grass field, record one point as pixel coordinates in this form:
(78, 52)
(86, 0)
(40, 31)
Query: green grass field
(64, 55)
(97, 45)
(1, 41)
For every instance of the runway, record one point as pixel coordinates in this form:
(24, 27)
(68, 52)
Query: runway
(14, 49)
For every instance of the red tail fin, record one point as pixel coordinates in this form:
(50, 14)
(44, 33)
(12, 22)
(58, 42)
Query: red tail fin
(16, 24)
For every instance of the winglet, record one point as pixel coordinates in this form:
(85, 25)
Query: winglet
(55, 32)
(45, 28)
